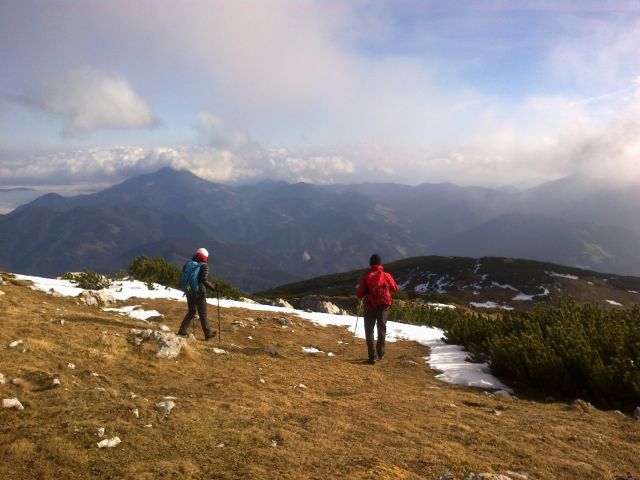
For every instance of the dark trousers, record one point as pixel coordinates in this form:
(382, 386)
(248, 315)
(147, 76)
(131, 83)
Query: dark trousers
(371, 319)
(199, 303)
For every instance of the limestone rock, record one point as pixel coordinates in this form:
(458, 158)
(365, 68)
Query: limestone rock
(486, 476)
(281, 302)
(99, 432)
(109, 442)
(55, 382)
(12, 403)
(318, 304)
(97, 298)
(169, 344)
(517, 475)
(285, 322)
(166, 405)
(15, 343)
(585, 407)
(17, 382)
(502, 393)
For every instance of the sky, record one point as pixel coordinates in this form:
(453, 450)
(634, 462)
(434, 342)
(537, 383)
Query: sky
(471, 92)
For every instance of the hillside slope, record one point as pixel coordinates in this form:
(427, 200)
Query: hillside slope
(503, 282)
(251, 414)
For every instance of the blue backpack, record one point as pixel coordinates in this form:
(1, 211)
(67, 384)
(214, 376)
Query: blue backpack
(189, 277)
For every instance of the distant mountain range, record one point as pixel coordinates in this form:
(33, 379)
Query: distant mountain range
(273, 232)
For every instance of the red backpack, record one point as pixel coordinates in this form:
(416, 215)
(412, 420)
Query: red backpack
(379, 294)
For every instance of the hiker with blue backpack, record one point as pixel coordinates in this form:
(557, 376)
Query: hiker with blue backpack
(194, 281)
(375, 289)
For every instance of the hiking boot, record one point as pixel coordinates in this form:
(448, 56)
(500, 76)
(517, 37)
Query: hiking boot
(182, 334)
(380, 357)
(371, 361)
(211, 335)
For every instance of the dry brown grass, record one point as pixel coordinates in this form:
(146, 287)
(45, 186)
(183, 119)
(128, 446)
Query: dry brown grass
(392, 420)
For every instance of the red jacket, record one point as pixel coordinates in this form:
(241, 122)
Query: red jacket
(368, 281)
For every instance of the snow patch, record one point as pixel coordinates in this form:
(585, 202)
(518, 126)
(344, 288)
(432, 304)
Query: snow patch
(311, 350)
(490, 304)
(135, 311)
(504, 286)
(562, 275)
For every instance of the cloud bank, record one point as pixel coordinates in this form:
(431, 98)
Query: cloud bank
(87, 100)
(474, 93)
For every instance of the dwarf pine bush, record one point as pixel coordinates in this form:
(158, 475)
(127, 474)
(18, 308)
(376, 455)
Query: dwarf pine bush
(572, 351)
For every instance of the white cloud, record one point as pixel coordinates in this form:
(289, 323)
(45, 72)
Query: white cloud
(87, 100)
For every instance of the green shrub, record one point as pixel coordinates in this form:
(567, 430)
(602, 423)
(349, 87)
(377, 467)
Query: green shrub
(154, 270)
(157, 270)
(571, 351)
(88, 280)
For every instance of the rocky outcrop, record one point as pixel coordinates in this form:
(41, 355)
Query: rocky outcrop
(319, 304)
(169, 344)
(97, 298)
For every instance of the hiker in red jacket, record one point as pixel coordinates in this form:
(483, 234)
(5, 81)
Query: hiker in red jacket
(376, 288)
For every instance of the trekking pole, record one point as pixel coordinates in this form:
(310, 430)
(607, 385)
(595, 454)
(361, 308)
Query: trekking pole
(218, 296)
(356, 327)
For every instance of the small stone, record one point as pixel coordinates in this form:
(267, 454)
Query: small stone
(17, 382)
(132, 395)
(99, 432)
(262, 381)
(330, 354)
(136, 413)
(302, 385)
(3, 379)
(218, 350)
(55, 382)
(109, 442)
(573, 438)
(61, 321)
(502, 393)
(169, 398)
(12, 403)
(274, 443)
(486, 476)
(71, 366)
(497, 412)
(271, 351)
(148, 425)
(517, 475)
(250, 337)
(15, 343)
(166, 405)
(164, 328)
(221, 445)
